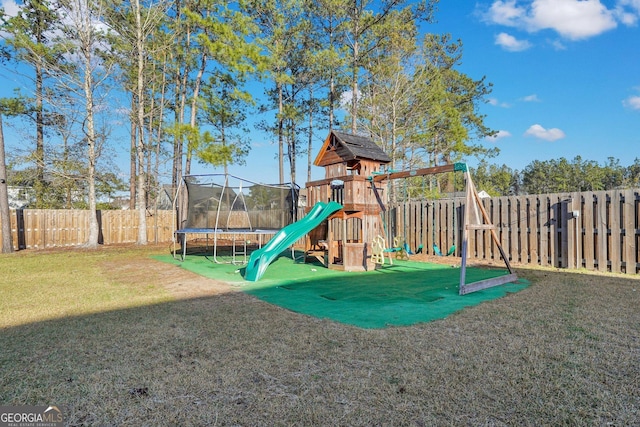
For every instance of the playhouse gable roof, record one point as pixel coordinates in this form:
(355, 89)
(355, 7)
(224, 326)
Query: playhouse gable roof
(340, 147)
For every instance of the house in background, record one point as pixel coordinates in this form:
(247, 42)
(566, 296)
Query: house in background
(21, 197)
(165, 202)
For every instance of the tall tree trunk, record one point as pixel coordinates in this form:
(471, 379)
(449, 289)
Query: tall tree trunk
(354, 77)
(194, 110)
(280, 133)
(158, 139)
(332, 100)
(181, 100)
(187, 161)
(39, 154)
(5, 217)
(86, 44)
(159, 134)
(141, 196)
(332, 77)
(292, 151)
(94, 230)
(177, 151)
(223, 141)
(65, 161)
(354, 101)
(149, 177)
(149, 152)
(132, 166)
(310, 145)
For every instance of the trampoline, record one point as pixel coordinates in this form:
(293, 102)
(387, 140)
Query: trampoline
(238, 240)
(233, 210)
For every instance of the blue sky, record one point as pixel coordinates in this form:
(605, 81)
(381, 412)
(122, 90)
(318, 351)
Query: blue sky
(565, 75)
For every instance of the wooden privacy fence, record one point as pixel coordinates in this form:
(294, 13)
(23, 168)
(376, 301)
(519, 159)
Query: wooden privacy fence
(46, 228)
(592, 230)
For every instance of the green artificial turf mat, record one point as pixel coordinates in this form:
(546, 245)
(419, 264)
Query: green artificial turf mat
(403, 294)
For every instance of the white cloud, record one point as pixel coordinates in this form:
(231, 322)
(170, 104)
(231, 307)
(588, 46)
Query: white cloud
(531, 98)
(558, 45)
(538, 131)
(496, 103)
(505, 13)
(499, 135)
(632, 102)
(10, 7)
(628, 11)
(510, 43)
(627, 18)
(571, 19)
(635, 4)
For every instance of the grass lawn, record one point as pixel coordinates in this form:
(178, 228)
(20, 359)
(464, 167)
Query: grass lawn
(118, 338)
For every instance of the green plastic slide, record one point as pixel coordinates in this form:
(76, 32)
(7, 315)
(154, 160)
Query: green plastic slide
(261, 258)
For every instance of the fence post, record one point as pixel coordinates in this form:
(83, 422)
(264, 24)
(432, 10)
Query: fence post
(588, 224)
(615, 237)
(576, 207)
(568, 230)
(602, 231)
(513, 226)
(629, 248)
(20, 228)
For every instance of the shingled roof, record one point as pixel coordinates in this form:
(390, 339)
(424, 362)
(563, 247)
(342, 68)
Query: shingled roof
(340, 147)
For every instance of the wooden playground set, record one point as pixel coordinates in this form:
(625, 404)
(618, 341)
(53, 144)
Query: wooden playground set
(355, 238)
(344, 226)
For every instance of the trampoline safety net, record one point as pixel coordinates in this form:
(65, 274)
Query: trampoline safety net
(224, 202)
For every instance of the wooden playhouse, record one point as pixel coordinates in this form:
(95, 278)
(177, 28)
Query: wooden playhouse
(344, 241)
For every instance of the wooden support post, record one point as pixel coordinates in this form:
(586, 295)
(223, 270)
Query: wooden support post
(494, 236)
(472, 204)
(629, 239)
(488, 283)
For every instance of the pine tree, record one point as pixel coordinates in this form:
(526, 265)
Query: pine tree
(27, 42)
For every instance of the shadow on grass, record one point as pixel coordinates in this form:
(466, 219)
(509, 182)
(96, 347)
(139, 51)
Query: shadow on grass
(563, 352)
(148, 363)
(401, 294)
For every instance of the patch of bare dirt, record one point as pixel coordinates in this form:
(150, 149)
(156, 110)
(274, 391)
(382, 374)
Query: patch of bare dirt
(183, 284)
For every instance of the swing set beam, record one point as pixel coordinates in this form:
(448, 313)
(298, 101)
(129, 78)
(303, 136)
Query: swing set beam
(421, 172)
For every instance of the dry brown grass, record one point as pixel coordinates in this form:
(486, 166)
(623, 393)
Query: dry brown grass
(564, 351)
